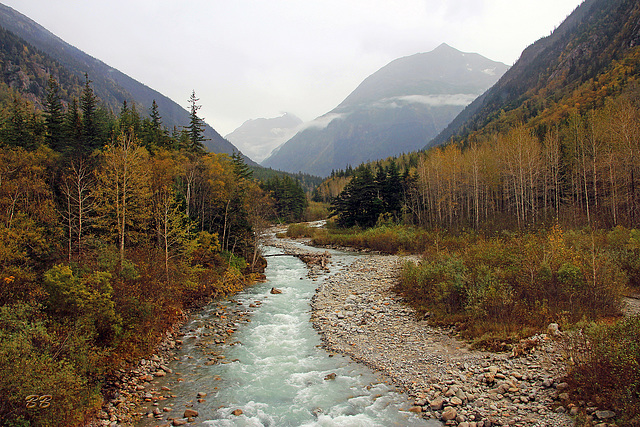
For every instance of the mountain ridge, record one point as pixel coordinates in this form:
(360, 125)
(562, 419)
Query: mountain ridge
(397, 109)
(591, 37)
(257, 138)
(111, 85)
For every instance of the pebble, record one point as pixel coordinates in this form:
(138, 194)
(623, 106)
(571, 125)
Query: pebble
(358, 314)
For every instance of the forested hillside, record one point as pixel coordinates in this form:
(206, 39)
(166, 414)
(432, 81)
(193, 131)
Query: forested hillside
(110, 226)
(549, 72)
(530, 213)
(35, 53)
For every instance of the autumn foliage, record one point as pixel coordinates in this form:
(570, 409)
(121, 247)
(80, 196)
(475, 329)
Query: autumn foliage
(103, 247)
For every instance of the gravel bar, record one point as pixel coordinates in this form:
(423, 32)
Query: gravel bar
(358, 314)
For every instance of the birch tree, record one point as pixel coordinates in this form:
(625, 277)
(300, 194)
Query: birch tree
(123, 190)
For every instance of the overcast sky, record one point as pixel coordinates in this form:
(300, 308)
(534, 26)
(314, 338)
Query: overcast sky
(259, 58)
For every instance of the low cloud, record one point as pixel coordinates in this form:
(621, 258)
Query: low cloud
(322, 121)
(461, 99)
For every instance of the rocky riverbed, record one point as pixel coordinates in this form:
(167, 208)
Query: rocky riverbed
(135, 393)
(357, 314)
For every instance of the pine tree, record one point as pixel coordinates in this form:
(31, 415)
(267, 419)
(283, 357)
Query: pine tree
(89, 105)
(73, 129)
(196, 127)
(392, 191)
(54, 116)
(155, 136)
(359, 203)
(240, 168)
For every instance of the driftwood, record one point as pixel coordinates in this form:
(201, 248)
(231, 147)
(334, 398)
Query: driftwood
(310, 258)
(321, 259)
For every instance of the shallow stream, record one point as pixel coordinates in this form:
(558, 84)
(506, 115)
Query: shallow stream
(274, 370)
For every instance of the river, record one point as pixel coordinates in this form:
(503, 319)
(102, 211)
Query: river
(275, 371)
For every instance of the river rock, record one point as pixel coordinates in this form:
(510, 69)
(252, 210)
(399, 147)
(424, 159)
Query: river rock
(237, 412)
(358, 314)
(190, 413)
(449, 413)
(455, 401)
(605, 415)
(437, 404)
(275, 291)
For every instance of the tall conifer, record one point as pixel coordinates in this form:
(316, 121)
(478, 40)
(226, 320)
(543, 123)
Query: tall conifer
(89, 105)
(54, 116)
(196, 127)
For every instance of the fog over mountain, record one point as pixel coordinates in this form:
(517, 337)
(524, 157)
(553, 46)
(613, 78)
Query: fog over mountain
(257, 138)
(397, 109)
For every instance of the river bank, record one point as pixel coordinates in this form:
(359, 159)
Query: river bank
(357, 314)
(134, 393)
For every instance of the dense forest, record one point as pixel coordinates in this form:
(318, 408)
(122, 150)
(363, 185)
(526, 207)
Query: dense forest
(110, 226)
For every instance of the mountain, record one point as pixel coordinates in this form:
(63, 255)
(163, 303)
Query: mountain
(258, 137)
(110, 85)
(397, 109)
(567, 68)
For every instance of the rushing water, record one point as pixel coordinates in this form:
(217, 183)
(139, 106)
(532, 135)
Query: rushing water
(279, 374)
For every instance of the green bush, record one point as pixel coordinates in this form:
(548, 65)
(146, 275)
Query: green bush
(440, 283)
(84, 300)
(514, 283)
(608, 373)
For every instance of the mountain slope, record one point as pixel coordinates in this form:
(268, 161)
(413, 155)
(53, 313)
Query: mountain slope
(258, 137)
(397, 109)
(110, 85)
(550, 70)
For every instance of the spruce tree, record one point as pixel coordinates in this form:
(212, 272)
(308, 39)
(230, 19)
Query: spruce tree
(155, 135)
(54, 116)
(73, 129)
(89, 105)
(196, 127)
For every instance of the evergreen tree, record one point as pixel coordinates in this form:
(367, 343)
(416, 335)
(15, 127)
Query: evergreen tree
(90, 125)
(290, 199)
(22, 127)
(392, 189)
(240, 168)
(154, 135)
(359, 203)
(73, 129)
(196, 127)
(54, 116)
(129, 119)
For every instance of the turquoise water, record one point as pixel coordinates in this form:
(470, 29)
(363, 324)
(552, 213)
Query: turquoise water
(278, 373)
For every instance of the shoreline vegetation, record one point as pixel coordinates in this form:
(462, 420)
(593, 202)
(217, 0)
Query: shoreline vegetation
(497, 292)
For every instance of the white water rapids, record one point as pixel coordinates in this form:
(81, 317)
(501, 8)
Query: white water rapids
(279, 372)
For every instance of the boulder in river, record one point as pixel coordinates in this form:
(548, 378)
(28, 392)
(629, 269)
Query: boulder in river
(276, 291)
